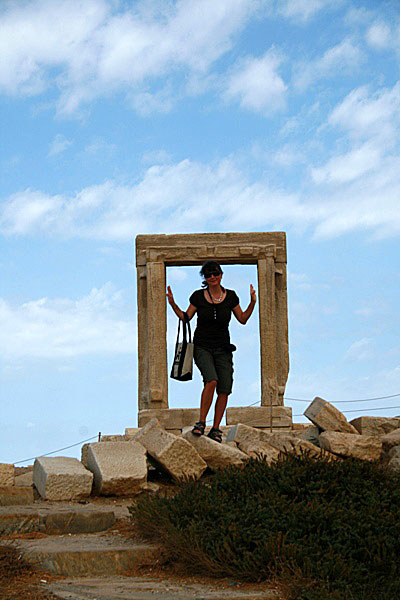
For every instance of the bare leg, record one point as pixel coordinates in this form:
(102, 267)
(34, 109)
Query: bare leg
(220, 407)
(207, 398)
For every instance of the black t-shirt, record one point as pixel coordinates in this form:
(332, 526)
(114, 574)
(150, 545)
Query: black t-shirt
(213, 319)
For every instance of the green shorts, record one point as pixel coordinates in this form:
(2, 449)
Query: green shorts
(215, 364)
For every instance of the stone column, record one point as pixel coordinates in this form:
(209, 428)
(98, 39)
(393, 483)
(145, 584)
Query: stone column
(143, 348)
(266, 287)
(282, 336)
(157, 336)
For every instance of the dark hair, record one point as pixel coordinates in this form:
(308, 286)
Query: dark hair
(207, 267)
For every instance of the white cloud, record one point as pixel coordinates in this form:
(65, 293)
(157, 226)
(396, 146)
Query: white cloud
(350, 165)
(255, 83)
(364, 114)
(87, 49)
(379, 36)
(58, 145)
(360, 350)
(344, 58)
(59, 328)
(29, 210)
(303, 9)
(190, 196)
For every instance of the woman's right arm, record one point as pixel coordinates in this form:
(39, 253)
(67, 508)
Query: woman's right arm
(179, 313)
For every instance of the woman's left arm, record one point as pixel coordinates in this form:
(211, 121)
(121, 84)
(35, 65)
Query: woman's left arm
(244, 316)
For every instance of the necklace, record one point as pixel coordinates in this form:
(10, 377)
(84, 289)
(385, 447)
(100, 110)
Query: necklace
(219, 297)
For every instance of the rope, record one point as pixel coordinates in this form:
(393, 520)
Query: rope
(59, 450)
(345, 401)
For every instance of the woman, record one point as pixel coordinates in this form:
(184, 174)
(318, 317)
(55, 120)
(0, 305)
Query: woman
(212, 348)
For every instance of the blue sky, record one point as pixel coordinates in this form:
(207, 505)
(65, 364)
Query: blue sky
(120, 118)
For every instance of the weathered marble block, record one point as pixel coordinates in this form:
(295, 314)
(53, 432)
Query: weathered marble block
(61, 478)
(366, 447)
(119, 468)
(375, 425)
(327, 417)
(389, 440)
(216, 455)
(174, 454)
(260, 450)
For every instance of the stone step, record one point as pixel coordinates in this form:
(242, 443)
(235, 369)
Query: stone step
(55, 523)
(87, 554)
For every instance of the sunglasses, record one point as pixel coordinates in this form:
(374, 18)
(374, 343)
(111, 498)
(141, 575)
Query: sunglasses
(211, 274)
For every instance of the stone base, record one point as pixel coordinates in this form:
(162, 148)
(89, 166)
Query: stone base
(257, 416)
(263, 417)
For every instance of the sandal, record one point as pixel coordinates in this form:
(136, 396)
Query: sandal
(199, 427)
(215, 434)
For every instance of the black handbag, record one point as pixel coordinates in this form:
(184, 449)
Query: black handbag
(182, 367)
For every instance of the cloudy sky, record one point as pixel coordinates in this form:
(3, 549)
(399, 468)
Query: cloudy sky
(123, 117)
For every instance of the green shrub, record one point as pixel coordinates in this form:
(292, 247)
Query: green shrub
(327, 527)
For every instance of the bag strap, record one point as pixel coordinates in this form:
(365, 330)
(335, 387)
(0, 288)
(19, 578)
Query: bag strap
(186, 324)
(186, 331)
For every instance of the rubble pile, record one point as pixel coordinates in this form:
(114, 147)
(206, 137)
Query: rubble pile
(118, 465)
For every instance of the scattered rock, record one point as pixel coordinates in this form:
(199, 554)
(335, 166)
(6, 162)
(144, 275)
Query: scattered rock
(216, 455)
(119, 468)
(310, 434)
(375, 425)
(174, 454)
(61, 478)
(389, 440)
(260, 416)
(259, 449)
(24, 480)
(327, 417)
(366, 447)
(245, 433)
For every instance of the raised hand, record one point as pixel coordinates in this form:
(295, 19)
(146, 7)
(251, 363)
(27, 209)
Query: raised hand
(170, 296)
(253, 295)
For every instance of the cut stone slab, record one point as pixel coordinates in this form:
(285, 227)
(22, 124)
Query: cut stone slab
(366, 447)
(169, 418)
(130, 432)
(261, 450)
(245, 433)
(292, 444)
(87, 554)
(174, 454)
(327, 417)
(283, 442)
(375, 425)
(119, 468)
(6, 474)
(113, 438)
(61, 478)
(311, 434)
(55, 523)
(260, 416)
(216, 455)
(14, 496)
(389, 440)
(24, 480)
